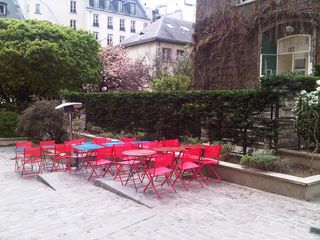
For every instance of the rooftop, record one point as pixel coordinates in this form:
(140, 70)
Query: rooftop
(12, 9)
(165, 29)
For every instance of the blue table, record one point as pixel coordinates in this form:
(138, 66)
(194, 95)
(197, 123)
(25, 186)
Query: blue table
(87, 147)
(110, 144)
(139, 142)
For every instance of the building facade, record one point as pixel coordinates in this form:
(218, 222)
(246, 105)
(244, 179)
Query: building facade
(285, 37)
(167, 39)
(110, 21)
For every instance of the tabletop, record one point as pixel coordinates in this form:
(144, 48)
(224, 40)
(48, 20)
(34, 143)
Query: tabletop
(139, 152)
(87, 147)
(170, 149)
(193, 146)
(110, 144)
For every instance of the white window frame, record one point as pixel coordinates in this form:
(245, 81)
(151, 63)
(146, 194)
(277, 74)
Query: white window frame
(133, 26)
(37, 9)
(110, 22)
(73, 24)
(120, 6)
(242, 2)
(132, 9)
(96, 35)
(96, 3)
(73, 6)
(166, 54)
(95, 20)
(4, 6)
(308, 52)
(122, 26)
(110, 39)
(122, 38)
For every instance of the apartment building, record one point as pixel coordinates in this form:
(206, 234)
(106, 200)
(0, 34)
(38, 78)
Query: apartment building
(110, 21)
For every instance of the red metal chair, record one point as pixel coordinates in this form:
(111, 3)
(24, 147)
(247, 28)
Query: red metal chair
(163, 166)
(103, 161)
(189, 162)
(125, 165)
(171, 143)
(47, 149)
(151, 145)
(210, 160)
(32, 158)
(60, 157)
(128, 140)
(20, 147)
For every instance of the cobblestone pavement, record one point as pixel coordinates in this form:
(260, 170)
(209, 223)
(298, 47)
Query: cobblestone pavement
(31, 210)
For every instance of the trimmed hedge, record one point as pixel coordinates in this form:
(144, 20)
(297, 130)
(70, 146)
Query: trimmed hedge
(232, 115)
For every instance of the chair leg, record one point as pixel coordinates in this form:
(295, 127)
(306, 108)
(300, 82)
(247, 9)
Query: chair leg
(179, 176)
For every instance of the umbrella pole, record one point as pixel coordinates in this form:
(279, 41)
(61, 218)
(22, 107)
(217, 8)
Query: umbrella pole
(70, 125)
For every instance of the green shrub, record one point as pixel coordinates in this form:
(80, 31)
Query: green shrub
(41, 121)
(317, 70)
(265, 160)
(8, 120)
(171, 83)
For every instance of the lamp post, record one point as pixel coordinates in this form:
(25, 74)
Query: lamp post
(69, 108)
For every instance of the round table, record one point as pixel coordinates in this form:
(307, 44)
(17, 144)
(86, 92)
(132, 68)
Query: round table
(139, 152)
(170, 149)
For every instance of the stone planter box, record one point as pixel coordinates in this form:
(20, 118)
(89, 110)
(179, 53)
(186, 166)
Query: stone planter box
(296, 187)
(11, 141)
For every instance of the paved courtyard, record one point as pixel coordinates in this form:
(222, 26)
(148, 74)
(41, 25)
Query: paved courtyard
(80, 210)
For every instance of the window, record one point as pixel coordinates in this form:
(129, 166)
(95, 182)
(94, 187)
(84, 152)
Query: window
(122, 25)
(122, 38)
(180, 54)
(240, 2)
(73, 6)
(95, 20)
(166, 54)
(132, 9)
(110, 39)
(120, 6)
(2, 9)
(107, 4)
(133, 27)
(96, 3)
(110, 22)
(37, 11)
(73, 24)
(96, 35)
(145, 25)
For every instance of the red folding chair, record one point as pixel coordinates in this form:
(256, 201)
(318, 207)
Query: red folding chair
(128, 140)
(189, 162)
(20, 147)
(60, 157)
(210, 161)
(125, 165)
(103, 162)
(163, 166)
(151, 145)
(171, 143)
(32, 159)
(47, 149)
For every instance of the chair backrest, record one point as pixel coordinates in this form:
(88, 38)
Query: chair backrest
(128, 140)
(23, 144)
(60, 149)
(213, 152)
(171, 143)
(33, 152)
(118, 149)
(192, 155)
(104, 153)
(101, 141)
(164, 160)
(151, 145)
(47, 143)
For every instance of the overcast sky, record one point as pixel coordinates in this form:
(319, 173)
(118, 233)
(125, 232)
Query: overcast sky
(153, 3)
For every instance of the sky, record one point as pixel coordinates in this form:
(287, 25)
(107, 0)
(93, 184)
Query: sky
(153, 3)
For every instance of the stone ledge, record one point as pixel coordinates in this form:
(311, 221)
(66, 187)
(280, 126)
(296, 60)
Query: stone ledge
(11, 141)
(302, 188)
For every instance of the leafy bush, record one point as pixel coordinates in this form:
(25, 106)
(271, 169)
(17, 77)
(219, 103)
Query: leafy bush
(8, 120)
(317, 70)
(265, 160)
(171, 83)
(288, 84)
(307, 117)
(41, 121)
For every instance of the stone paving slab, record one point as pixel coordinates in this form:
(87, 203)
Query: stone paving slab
(31, 210)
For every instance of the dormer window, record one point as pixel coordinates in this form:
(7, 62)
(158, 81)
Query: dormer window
(132, 9)
(96, 3)
(120, 6)
(3, 9)
(240, 2)
(107, 4)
